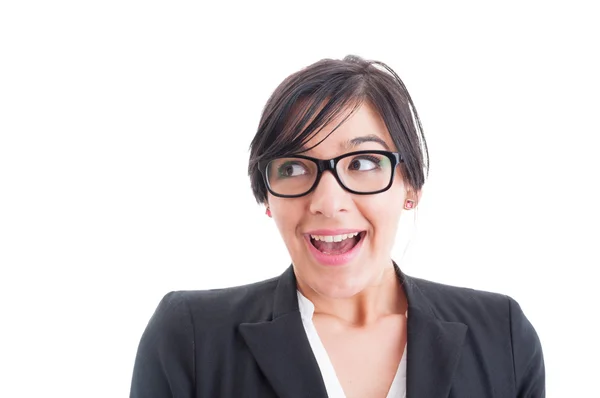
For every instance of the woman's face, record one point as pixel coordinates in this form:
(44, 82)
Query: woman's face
(330, 210)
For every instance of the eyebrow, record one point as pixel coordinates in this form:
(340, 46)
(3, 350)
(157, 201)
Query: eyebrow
(356, 141)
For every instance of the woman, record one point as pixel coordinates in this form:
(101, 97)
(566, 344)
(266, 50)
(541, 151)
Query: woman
(339, 155)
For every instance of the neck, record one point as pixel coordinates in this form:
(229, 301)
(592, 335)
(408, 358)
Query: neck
(383, 297)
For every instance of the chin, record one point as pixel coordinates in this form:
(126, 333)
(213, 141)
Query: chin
(338, 285)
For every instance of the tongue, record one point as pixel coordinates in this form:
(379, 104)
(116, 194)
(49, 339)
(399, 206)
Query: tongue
(335, 247)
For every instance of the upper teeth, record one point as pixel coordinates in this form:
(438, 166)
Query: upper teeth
(334, 238)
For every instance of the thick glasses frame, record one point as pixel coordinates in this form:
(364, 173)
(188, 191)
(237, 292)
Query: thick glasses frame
(331, 165)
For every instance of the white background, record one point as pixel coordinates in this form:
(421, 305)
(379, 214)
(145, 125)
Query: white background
(124, 134)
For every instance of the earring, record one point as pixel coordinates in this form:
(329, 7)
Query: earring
(268, 211)
(409, 204)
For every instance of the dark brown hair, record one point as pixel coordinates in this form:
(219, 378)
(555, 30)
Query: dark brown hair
(309, 99)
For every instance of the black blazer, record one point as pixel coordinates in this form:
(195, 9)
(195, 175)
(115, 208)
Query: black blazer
(249, 341)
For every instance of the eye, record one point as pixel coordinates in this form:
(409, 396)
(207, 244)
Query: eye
(291, 169)
(364, 163)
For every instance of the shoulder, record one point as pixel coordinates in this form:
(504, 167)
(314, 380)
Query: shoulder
(493, 320)
(251, 302)
(470, 306)
(461, 304)
(493, 316)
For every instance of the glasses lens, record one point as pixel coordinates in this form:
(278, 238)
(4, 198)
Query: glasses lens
(365, 172)
(291, 176)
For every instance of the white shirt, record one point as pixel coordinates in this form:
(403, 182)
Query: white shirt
(332, 384)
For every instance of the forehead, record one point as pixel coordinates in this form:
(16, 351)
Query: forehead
(362, 129)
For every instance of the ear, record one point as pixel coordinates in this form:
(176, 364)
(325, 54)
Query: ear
(413, 195)
(267, 209)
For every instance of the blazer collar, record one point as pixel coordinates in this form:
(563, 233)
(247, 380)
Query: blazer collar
(284, 355)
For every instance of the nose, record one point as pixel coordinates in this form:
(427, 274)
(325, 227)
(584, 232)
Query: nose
(328, 198)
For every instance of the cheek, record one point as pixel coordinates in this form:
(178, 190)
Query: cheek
(287, 215)
(383, 210)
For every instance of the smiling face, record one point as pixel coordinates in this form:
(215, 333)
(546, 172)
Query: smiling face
(330, 210)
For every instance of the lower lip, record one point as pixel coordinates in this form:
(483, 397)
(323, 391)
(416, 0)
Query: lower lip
(334, 259)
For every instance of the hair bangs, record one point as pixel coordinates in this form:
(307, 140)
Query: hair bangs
(307, 113)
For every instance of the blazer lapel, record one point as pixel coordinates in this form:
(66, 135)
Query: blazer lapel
(284, 355)
(281, 348)
(433, 346)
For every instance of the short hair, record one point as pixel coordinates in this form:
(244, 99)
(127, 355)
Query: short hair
(311, 98)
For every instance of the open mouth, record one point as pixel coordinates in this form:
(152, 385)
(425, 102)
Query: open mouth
(336, 244)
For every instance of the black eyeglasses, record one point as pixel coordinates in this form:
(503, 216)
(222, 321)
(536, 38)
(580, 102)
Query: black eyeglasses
(360, 172)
